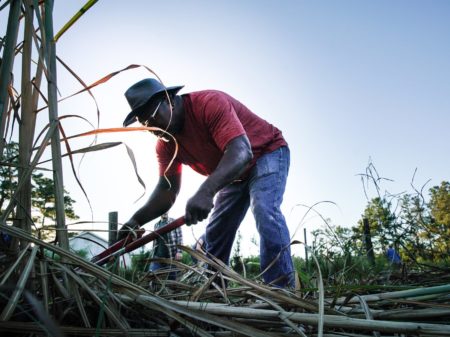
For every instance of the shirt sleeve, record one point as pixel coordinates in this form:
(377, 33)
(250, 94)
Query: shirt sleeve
(179, 239)
(222, 120)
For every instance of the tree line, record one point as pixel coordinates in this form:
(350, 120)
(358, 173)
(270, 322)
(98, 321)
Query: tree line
(416, 225)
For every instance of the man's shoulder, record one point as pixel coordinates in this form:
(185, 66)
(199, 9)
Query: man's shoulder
(206, 95)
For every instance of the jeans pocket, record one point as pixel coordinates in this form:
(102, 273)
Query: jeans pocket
(268, 163)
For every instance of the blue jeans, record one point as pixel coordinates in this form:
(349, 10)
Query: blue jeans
(262, 191)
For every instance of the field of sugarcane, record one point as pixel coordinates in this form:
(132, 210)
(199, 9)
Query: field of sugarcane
(47, 290)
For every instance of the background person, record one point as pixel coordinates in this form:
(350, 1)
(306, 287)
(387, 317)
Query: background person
(165, 246)
(393, 257)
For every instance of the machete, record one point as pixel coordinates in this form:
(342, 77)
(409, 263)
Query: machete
(128, 244)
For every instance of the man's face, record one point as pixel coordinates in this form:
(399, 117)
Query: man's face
(159, 114)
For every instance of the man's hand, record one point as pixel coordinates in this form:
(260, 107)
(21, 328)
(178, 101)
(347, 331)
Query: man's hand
(129, 228)
(237, 155)
(199, 206)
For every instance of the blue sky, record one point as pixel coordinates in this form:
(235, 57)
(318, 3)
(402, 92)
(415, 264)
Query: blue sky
(346, 81)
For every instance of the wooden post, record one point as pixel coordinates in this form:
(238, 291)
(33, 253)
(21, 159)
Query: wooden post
(368, 242)
(306, 250)
(112, 227)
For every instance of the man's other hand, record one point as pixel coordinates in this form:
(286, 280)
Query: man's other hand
(199, 206)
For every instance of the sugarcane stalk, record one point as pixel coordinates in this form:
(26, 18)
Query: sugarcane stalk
(410, 293)
(7, 65)
(329, 320)
(26, 127)
(44, 284)
(203, 316)
(34, 328)
(412, 314)
(61, 234)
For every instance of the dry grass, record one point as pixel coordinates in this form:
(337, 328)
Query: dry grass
(49, 297)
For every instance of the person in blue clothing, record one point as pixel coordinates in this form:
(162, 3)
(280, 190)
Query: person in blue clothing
(393, 257)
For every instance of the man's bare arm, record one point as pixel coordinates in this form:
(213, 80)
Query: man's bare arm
(159, 202)
(235, 160)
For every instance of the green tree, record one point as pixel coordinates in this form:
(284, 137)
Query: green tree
(426, 225)
(43, 199)
(236, 259)
(334, 240)
(414, 221)
(440, 203)
(8, 173)
(439, 206)
(384, 227)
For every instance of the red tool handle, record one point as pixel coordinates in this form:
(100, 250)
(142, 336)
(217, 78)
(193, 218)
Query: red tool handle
(115, 247)
(128, 245)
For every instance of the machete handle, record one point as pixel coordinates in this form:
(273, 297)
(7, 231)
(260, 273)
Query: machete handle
(116, 246)
(128, 246)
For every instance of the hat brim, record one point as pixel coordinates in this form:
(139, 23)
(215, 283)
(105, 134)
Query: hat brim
(131, 117)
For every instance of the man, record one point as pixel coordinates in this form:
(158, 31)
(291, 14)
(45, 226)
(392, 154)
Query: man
(245, 159)
(165, 246)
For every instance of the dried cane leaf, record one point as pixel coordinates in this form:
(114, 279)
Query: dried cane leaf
(79, 300)
(14, 299)
(51, 327)
(14, 265)
(73, 167)
(321, 296)
(218, 265)
(84, 85)
(110, 311)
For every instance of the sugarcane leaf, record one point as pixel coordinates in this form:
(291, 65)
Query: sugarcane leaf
(84, 85)
(321, 321)
(74, 19)
(73, 167)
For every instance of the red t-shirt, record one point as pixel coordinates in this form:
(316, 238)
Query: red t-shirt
(212, 119)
